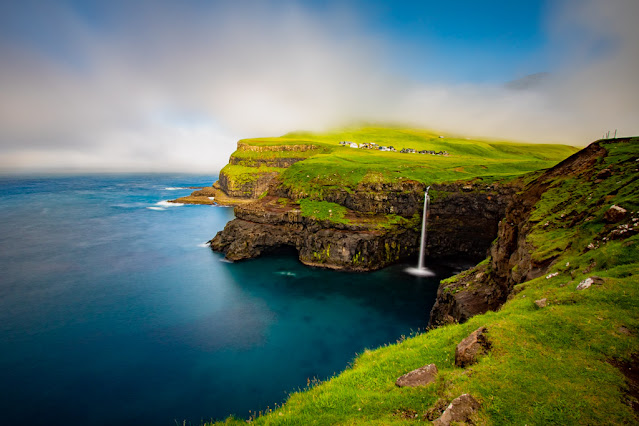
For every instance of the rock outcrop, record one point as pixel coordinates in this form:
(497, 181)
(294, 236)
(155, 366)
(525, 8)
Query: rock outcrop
(462, 223)
(358, 245)
(472, 347)
(419, 377)
(459, 410)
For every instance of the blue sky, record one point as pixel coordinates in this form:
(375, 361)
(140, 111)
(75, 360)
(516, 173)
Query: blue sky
(141, 85)
(502, 39)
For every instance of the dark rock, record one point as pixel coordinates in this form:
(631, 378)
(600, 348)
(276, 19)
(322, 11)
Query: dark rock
(623, 231)
(615, 214)
(470, 294)
(604, 174)
(264, 226)
(459, 410)
(468, 350)
(419, 377)
(436, 410)
(362, 245)
(624, 330)
(541, 303)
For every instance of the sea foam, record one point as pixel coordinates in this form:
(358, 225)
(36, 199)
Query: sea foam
(167, 203)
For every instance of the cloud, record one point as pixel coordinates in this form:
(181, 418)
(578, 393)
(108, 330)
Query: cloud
(162, 87)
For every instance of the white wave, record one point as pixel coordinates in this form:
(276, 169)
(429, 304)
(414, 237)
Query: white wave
(174, 188)
(206, 244)
(225, 260)
(167, 203)
(287, 273)
(156, 208)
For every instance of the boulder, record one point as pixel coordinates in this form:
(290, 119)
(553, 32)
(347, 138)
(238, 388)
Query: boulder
(614, 214)
(458, 411)
(420, 377)
(541, 303)
(469, 349)
(604, 174)
(436, 410)
(589, 281)
(584, 284)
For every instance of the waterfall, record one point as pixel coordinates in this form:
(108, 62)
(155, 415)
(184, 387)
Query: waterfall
(421, 270)
(422, 244)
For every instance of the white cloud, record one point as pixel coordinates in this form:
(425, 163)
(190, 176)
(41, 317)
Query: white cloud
(123, 98)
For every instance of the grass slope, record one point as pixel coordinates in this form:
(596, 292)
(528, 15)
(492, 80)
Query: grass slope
(554, 365)
(331, 166)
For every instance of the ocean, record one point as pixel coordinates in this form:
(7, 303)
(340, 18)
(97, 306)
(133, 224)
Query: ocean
(113, 311)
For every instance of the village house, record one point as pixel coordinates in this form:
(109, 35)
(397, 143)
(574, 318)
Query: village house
(408, 151)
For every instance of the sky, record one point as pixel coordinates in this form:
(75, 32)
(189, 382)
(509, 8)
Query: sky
(168, 85)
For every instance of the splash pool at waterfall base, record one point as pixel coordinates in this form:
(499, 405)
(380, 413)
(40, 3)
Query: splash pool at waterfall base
(420, 272)
(114, 312)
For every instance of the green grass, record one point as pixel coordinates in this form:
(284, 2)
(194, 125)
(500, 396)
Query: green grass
(330, 167)
(323, 210)
(239, 175)
(546, 366)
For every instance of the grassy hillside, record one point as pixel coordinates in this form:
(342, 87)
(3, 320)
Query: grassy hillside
(560, 364)
(331, 166)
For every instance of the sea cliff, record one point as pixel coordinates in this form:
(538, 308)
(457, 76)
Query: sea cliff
(542, 331)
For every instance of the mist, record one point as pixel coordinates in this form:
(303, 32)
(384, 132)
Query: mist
(157, 87)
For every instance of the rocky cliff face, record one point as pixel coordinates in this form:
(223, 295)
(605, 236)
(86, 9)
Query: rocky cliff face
(359, 245)
(487, 286)
(463, 222)
(245, 188)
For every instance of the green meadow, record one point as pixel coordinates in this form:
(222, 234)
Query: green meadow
(331, 166)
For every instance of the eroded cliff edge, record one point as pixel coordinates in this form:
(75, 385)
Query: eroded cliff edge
(530, 238)
(463, 222)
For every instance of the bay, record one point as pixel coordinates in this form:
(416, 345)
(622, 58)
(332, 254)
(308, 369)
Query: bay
(114, 311)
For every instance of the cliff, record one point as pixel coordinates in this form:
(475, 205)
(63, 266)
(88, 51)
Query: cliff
(555, 302)
(380, 193)
(368, 236)
(515, 256)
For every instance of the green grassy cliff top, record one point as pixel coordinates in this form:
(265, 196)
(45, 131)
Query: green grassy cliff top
(329, 165)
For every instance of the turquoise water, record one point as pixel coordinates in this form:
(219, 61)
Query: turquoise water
(112, 311)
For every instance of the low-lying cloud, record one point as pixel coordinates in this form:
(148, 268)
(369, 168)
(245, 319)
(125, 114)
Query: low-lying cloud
(162, 88)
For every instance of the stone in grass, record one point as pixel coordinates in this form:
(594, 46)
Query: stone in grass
(590, 281)
(420, 377)
(458, 411)
(468, 350)
(614, 214)
(541, 303)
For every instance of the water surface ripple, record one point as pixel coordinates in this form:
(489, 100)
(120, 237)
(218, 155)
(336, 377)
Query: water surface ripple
(112, 312)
